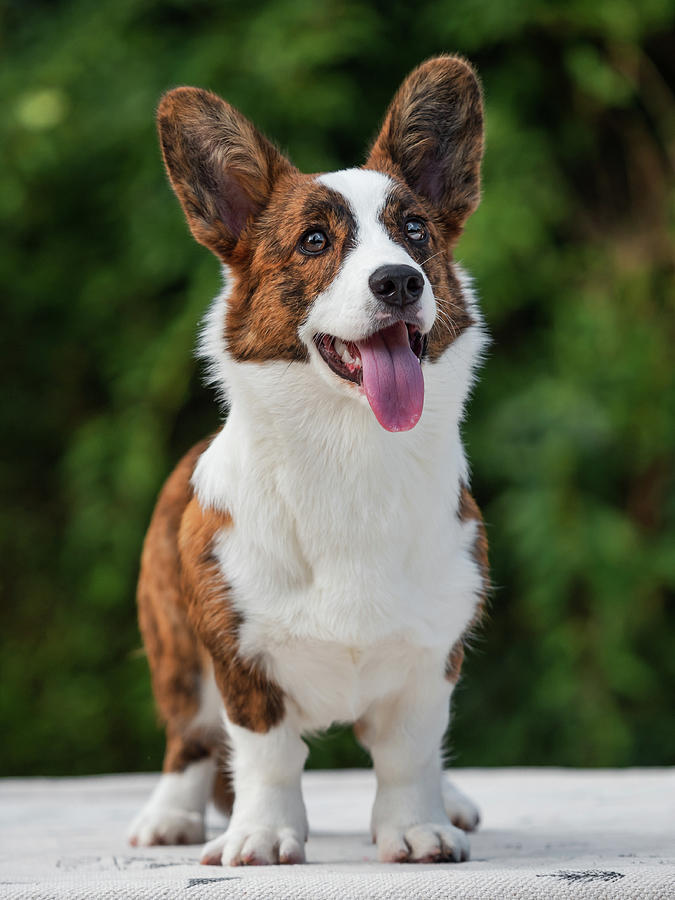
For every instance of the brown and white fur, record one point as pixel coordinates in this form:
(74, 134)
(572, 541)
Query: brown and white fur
(308, 564)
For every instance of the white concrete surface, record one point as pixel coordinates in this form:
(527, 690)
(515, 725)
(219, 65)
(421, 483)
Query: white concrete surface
(545, 833)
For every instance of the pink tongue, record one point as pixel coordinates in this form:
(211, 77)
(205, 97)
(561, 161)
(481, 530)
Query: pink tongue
(392, 378)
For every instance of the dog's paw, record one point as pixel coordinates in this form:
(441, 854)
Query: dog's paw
(166, 825)
(461, 811)
(255, 847)
(428, 843)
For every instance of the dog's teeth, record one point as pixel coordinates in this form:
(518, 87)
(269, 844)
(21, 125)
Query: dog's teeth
(343, 353)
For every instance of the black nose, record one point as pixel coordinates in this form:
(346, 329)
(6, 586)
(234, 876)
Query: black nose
(396, 285)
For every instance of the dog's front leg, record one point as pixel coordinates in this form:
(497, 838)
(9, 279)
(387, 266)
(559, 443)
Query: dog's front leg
(404, 734)
(268, 823)
(266, 753)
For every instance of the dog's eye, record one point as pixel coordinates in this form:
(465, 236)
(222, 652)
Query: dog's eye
(313, 242)
(415, 230)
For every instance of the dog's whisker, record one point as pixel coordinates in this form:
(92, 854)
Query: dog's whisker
(445, 318)
(433, 256)
(449, 303)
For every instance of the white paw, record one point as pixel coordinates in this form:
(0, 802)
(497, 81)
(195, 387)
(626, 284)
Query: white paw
(264, 846)
(461, 811)
(166, 825)
(426, 843)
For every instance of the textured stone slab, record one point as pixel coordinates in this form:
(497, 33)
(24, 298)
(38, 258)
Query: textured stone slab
(546, 833)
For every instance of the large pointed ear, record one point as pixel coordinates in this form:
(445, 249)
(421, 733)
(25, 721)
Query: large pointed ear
(220, 167)
(432, 137)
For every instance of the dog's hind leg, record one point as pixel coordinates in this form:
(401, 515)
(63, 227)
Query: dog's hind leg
(182, 681)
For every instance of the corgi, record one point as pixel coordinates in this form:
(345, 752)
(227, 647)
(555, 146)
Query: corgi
(321, 559)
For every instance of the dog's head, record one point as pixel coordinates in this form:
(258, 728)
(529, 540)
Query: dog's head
(349, 272)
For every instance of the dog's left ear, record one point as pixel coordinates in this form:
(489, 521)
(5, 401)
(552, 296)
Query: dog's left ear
(432, 137)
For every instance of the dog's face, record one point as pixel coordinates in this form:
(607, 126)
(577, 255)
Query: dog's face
(348, 272)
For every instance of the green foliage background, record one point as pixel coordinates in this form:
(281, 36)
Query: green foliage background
(572, 428)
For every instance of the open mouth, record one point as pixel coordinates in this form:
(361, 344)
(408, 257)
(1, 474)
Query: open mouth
(387, 365)
(344, 357)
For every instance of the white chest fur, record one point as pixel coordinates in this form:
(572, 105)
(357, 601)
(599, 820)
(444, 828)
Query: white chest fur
(346, 557)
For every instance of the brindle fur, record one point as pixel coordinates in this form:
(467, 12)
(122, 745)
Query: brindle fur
(468, 510)
(251, 699)
(175, 593)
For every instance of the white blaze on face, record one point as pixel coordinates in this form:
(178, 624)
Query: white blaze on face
(349, 311)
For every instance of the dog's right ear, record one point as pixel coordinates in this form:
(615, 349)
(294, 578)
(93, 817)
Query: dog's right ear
(220, 167)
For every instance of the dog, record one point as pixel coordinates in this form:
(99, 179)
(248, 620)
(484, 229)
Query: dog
(321, 558)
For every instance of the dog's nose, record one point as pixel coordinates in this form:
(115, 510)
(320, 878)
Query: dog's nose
(396, 285)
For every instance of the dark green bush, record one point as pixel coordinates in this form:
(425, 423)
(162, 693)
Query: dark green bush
(572, 428)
